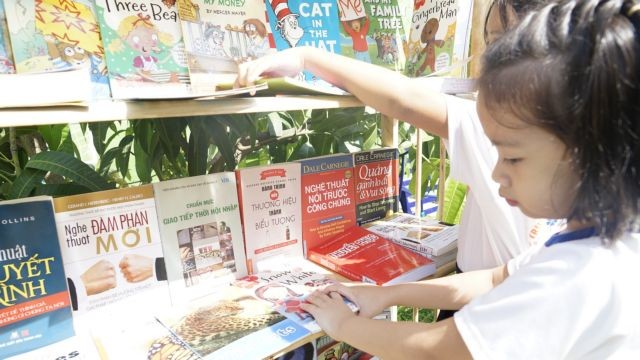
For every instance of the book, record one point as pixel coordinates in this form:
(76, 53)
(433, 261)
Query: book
(77, 347)
(6, 54)
(230, 325)
(360, 255)
(35, 309)
(285, 286)
(305, 23)
(271, 214)
(328, 197)
(285, 86)
(199, 219)
(423, 235)
(376, 175)
(220, 34)
(144, 49)
(38, 89)
(54, 35)
(431, 36)
(112, 255)
(373, 31)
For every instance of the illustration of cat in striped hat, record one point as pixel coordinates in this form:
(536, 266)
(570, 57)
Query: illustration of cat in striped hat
(287, 22)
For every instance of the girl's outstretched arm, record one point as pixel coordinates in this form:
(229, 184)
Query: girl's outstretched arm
(387, 91)
(403, 340)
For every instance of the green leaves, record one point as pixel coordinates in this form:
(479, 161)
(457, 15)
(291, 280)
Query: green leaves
(59, 163)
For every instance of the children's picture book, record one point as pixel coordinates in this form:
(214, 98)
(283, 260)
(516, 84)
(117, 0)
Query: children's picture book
(112, 254)
(423, 235)
(220, 34)
(199, 219)
(312, 23)
(372, 31)
(360, 255)
(231, 324)
(54, 35)
(271, 213)
(144, 49)
(328, 197)
(35, 309)
(431, 37)
(376, 184)
(6, 54)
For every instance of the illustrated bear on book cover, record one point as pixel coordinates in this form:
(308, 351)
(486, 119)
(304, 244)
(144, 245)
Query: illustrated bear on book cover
(220, 34)
(372, 31)
(55, 35)
(144, 49)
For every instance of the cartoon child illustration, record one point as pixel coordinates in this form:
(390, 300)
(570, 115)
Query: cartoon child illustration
(358, 29)
(256, 33)
(142, 36)
(428, 38)
(287, 22)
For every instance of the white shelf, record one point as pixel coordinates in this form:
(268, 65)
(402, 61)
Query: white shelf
(152, 109)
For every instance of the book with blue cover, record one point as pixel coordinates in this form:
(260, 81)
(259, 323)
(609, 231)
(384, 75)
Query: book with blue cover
(305, 23)
(35, 309)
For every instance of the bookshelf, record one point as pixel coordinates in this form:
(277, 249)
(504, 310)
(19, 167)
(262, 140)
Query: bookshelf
(152, 109)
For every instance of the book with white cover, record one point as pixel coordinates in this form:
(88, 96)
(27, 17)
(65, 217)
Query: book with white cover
(199, 220)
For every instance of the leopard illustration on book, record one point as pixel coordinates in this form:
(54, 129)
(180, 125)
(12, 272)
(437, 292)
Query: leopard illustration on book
(210, 326)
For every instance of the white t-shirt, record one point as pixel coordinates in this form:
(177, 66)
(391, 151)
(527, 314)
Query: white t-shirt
(572, 300)
(491, 231)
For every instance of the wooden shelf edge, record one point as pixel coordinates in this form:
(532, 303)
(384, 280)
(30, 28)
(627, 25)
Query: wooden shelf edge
(153, 109)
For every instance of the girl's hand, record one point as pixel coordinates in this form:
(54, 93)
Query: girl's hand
(289, 62)
(329, 310)
(369, 298)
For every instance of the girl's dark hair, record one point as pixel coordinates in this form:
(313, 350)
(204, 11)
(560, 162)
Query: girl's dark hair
(573, 69)
(520, 7)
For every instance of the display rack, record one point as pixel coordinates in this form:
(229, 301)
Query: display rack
(152, 109)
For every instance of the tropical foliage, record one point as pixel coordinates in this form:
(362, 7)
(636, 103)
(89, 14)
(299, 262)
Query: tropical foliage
(69, 159)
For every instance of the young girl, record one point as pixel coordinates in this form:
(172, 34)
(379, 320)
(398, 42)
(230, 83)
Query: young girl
(491, 232)
(559, 99)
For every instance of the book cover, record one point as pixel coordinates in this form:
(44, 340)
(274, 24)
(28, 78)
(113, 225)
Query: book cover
(230, 325)
(372, 31)
(271, 213)
(220, 34)
(430, 47)
(77, 347)
(328, 197)
(112, 254)
(144, 49)
(54, 35)
(35, 309)
(6, 55)
(376, 184)
(361, 255)
(199, 219)
(285, 287)
(305, 23)
(423, 235)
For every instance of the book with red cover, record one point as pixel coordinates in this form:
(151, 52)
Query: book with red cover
(328, 198)
(360, 255)
(376, 178)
